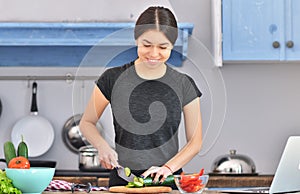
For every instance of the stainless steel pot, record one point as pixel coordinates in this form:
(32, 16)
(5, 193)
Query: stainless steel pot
(88, 159)
(72, 136)
(233, 163)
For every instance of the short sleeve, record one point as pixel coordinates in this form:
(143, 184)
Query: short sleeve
(190, 90)
(105, 83)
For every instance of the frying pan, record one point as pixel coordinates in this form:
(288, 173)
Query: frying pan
(38, 163)
(36, 130)
(0, 107)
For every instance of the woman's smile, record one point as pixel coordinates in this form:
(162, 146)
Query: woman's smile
(153, 48)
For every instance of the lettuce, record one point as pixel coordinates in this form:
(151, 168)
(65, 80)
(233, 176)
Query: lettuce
(6, 186)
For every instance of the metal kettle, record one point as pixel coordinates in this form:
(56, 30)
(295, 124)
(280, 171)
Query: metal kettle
(233, 163)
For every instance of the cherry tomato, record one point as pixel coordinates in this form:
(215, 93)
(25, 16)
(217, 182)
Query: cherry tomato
(19, 162)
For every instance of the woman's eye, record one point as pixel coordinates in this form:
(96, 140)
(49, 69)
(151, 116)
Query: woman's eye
(163, 47)
(147, 45)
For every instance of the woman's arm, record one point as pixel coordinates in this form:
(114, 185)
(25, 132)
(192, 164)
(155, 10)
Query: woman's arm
(95, 107)
(193, 128)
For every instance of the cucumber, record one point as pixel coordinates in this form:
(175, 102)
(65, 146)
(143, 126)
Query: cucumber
(9, 151)
(127, 171)
(148, 181)
(23, 149)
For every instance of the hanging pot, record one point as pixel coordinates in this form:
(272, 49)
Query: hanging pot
(0, 107)
(233, 164)
(72, 136)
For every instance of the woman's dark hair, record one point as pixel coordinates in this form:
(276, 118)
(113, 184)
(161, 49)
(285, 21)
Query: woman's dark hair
(157, 18)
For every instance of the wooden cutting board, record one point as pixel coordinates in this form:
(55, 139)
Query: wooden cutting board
(152, 189)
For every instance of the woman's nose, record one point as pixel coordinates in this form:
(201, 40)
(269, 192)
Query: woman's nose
(154, 52)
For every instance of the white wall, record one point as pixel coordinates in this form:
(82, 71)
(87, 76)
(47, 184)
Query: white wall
(262, 99)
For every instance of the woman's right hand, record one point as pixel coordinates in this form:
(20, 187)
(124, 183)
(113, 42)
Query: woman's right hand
(108, 157)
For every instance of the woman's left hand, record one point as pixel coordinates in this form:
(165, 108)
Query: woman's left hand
(159, 173)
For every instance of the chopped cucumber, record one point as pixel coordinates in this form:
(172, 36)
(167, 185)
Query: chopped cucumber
(127, 171)
(138, 184)
(130, 185)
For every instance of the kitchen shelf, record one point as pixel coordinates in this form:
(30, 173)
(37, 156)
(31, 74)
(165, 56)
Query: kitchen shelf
(67, 44)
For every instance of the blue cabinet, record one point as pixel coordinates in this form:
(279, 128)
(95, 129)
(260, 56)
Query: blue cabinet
(260, 30)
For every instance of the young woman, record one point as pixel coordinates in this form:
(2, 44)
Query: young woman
(147, 99)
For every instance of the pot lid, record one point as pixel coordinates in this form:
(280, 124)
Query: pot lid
(88, 148)
(233, 163)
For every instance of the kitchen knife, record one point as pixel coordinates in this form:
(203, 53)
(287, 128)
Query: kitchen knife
(122, 174)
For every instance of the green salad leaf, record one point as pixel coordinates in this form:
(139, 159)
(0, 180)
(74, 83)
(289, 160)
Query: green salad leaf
(6, 186)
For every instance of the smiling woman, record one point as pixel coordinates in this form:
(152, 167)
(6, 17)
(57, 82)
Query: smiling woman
(147, 98)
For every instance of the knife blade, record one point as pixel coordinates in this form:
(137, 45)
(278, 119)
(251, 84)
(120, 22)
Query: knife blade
(122, 174)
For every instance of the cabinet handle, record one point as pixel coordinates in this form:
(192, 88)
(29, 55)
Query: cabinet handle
(290, 44)
(276, 44)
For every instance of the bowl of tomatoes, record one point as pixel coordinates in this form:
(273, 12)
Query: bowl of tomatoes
(191, 183)
(30, 180)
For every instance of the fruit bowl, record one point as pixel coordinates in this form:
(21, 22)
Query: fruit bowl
(191, 183)
(30, 181)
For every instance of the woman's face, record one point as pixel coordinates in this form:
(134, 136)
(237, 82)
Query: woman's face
(153, 48)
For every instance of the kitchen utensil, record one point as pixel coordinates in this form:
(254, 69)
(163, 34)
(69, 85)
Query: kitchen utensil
(122, 174)
(36, 130)
(87, 187)
(152, 189)
(38, 163)
(72, 136)
(0, 107)
(89, 160)
(233, 163)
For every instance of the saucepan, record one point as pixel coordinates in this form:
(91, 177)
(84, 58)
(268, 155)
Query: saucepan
(77, 143)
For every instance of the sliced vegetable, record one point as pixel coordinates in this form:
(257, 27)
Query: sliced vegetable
(19, 162)
(191, 183)
(23, 149)
(9, 151)
(127, 171)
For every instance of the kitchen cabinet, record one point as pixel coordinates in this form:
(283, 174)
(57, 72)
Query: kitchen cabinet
(262, 30)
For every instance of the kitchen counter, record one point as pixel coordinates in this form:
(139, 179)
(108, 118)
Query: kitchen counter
(217, 181)
(101, 180)
(77, 173)
(100, 192)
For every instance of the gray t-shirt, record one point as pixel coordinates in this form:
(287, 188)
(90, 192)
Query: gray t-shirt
(146, 113)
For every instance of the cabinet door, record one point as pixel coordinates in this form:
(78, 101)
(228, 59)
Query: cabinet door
(292, 40)
(250, 27)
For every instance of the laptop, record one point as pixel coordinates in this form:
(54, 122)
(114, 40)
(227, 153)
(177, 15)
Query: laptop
(287, 175)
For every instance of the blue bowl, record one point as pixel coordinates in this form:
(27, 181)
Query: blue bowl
(31, 181)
